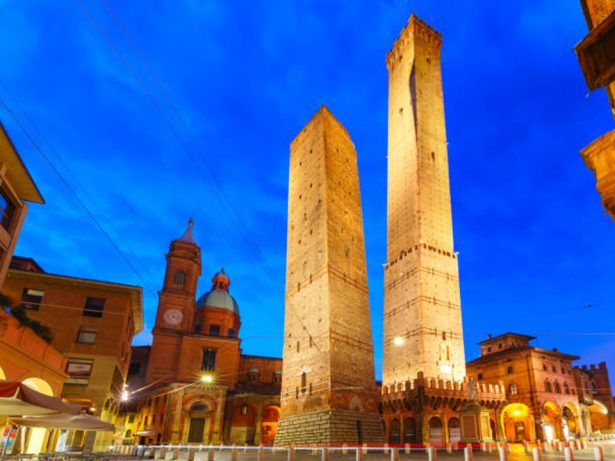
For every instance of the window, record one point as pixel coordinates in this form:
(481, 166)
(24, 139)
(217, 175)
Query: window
(179, 279)
(566, 388)
(558, 388)
(544, 367)
(94, 307)
(134, 368)
(79, 371)
(31, 299)
(131, 419)
(214, 330)
(512, 389)
(303, 382)
(553, 369)
(489, 349)
(277, 376)
(87, 335)
(480, 376)
(510, 370)
(548, 387)
(231, 333)
(7, 210)
(253, 374)
(209, 359)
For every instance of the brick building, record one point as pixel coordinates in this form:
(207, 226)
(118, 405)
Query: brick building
(596, 386)
(92, 323)
(544, 398)
(194, 384)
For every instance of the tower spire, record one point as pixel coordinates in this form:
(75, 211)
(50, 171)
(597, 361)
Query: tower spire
(187, 236)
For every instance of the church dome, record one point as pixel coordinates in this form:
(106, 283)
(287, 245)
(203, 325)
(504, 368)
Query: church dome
(219, 295)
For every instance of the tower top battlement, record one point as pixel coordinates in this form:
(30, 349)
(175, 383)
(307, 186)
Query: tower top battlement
(416, 28)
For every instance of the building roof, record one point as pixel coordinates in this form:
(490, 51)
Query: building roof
(507, 335)
(218, 298)
(16, 172)
(136, 292)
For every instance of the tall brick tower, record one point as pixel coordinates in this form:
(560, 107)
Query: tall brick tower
(328, 385)
(422, 311)
(176, 306)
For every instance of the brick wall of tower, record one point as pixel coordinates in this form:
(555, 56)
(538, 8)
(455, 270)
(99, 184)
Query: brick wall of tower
(328, 353)
(422, 301)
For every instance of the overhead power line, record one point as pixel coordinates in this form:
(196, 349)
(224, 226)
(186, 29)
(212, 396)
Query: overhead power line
(72, 190)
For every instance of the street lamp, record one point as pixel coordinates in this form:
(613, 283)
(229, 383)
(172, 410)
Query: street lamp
(208, 378)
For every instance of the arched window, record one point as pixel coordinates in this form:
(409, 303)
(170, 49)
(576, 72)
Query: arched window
(395, 431)
(179, 279)
(436, 435)
(558, 388)
(566, 388)
(512, 389)
(454, 430)
(548, 387)
(409, 430)
(128, 434)
(510, 370)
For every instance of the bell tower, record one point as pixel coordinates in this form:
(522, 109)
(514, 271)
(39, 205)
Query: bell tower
(422, 309)
(176, 304)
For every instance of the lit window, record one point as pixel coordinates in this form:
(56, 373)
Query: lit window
(94, 307)
(512, 389)
(87, 335)
(79, 371)
(31, 299)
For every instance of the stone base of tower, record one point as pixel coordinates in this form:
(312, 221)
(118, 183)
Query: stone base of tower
(330, 427)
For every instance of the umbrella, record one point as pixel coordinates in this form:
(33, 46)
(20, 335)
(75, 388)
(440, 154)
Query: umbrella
(17, 399)
(81, 421)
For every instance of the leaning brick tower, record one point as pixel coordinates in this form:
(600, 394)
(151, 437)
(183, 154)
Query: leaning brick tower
(328, 385)
(422, 310)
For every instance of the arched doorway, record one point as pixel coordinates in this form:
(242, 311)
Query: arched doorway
(493, 429)
(516, 422)
(454, 430)
(409, 430)
(199, 417)
(436, 434)
(394, 431)
(551, 422)
(36, 437)
(569, 422)
(269, 426)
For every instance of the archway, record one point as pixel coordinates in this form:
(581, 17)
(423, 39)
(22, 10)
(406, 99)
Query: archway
(598, 416)
(36, 437)
(409, 430)
(269, 426)
(199, 417)
(551, 422)
(454, 430)
(394, 431)
(436, 434)
(516, 422)
(569, 421)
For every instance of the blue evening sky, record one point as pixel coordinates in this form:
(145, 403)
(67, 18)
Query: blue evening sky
(156, 111)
